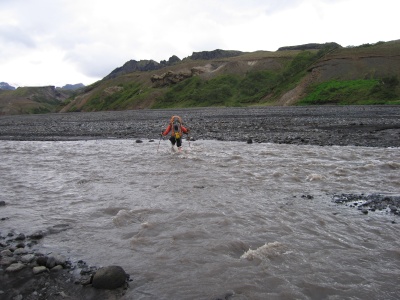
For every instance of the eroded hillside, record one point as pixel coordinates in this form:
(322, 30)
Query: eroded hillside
(296, 75)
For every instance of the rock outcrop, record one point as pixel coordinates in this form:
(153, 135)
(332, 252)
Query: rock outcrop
(142, 65)
(215, 54)
(169, 78)
(310, 46)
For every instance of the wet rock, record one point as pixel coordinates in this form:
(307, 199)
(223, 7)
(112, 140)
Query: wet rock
(20, 251)
(370, 203)
(41, 260)
(19, 268)
(6, 252)
(39, 269)
(27, 258)
(37, 235)
(15, 267)
(57, 268)
(20, 237)
(60, 259)
(109, 278)
(51, 262)
(2, 203)
(20, 245)
(6, 261)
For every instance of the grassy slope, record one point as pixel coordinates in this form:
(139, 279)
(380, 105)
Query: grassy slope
(258, 78)
(370, 76)
(242, 78)
(361, 75)
(28, 100)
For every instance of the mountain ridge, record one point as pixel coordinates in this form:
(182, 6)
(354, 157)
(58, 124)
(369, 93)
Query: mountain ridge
(236, 78)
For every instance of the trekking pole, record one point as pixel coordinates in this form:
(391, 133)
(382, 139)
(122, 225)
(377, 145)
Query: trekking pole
(159, 142)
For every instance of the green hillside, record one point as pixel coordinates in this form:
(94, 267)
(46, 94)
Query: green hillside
(367, 74)
(312, 74)
(32, 100)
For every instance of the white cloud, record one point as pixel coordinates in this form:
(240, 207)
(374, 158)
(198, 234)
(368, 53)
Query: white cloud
(55, 42)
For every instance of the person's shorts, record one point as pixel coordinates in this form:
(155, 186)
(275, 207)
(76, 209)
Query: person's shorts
(177, 141)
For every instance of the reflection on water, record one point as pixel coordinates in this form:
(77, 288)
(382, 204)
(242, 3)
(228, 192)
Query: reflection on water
(220, 219)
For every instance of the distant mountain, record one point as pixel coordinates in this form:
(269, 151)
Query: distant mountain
(30, 100)
(6, 86)
(151, 65)
(72, 86)
(306, 74)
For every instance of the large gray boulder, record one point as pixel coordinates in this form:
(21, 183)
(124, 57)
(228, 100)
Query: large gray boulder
(109, 278)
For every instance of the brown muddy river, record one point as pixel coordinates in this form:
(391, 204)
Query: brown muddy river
(225, 220)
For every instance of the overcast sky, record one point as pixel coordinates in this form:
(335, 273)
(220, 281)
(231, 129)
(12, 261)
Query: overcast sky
(55, 42)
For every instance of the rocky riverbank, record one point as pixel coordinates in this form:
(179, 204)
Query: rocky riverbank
(369, 126)
(27, 273)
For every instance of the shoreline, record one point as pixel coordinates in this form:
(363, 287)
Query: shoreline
(368, 126)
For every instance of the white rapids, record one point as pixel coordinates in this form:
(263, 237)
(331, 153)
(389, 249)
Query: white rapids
(217, 220)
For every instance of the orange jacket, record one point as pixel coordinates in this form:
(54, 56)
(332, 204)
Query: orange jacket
(168, 129)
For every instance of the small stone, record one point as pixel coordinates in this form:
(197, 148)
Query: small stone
(27, 258)
(15, 267)
(20, 251)
(20, 245)
(139, 141)
(57, 268)
(37, 235)
(51, 262)
(64, 295)
(60, 259)
(6, 261)
(2, 203)
(41, 260)
(39, 269)
(20, 237)
(6, 252)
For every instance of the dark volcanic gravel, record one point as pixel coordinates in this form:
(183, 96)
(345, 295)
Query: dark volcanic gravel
(371, 126)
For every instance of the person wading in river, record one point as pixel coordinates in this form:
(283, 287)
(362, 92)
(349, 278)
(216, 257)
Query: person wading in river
(177, 130)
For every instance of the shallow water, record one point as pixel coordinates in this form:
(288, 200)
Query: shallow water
(220, 219)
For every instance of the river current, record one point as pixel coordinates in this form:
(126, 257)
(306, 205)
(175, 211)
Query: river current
(225, 220)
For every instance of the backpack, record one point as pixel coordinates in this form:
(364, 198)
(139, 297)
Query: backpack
(176, 127)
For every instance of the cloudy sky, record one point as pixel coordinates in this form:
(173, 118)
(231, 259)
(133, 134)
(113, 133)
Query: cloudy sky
(55, 42)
